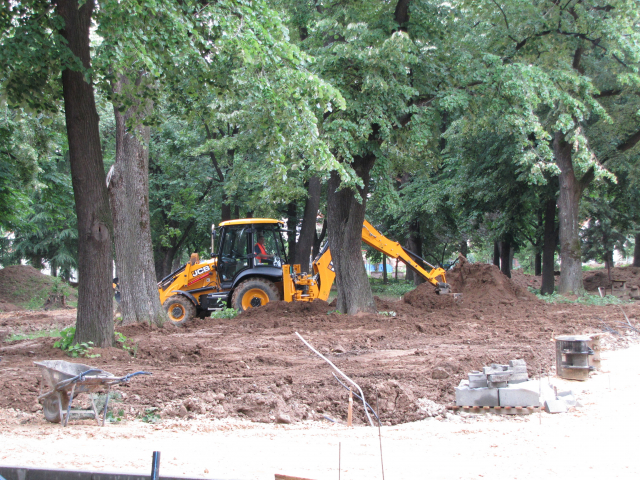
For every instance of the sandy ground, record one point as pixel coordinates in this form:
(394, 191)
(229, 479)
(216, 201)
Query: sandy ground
(598, 440)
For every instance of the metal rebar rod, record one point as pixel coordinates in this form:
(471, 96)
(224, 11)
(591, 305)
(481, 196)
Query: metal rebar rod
(366, 411)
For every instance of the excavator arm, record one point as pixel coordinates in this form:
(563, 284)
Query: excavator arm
(300, 286)
(375, 239)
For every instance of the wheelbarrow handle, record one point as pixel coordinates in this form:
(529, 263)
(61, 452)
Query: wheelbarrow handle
(78, 378)
(126, 378)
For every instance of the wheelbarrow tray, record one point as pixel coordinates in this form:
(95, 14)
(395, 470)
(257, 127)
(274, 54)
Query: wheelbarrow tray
(57, 373)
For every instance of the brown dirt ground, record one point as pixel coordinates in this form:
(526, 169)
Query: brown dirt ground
(254, 367)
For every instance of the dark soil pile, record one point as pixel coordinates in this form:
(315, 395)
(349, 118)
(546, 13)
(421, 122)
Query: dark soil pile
(255, 367)
(600, 278)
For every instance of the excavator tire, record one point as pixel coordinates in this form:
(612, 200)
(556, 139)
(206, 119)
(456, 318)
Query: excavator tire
(179, 309)
(254, 292)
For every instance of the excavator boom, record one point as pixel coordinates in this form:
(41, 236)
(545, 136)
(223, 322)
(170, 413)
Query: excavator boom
(375, 239)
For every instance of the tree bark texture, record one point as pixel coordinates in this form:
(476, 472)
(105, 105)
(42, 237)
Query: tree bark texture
(496, 254)
(636, 252)
(309, 218)
(568, 206)
(292, 223)
(95, 292)
(129, 195)
(414, 244)
(505, 257)
(345, 212)
(549, 248)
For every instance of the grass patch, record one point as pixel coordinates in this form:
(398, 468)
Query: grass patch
(586, 299)
(393, 288)
(225, 313)
(14, 337)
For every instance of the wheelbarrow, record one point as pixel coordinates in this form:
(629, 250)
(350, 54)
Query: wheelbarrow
(66, 379)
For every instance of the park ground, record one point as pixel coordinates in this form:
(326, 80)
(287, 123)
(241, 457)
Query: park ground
(244, 398)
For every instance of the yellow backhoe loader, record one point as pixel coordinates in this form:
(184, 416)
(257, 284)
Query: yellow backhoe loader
(250, 269)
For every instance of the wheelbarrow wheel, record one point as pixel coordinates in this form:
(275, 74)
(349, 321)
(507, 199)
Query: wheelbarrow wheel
(50, 406)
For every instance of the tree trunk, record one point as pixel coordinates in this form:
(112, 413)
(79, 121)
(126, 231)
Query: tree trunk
(345, 212)
(309, 219)
(225, 209)
(129, 195)
(505, 257)
(385, 280)
(464, 248)
(292, 223)
(414, 244)
(568, 207)
(95, 292)
(496, 254)
(636, 252)
(549, 248)
(537, 264)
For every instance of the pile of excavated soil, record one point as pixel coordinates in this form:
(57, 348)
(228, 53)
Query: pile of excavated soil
(255, 367)
(600, 278)
(19, 284)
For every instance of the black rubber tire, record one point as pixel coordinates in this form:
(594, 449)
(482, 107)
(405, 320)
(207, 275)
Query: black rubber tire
(50, 407)
(179, 309)
(254, 292)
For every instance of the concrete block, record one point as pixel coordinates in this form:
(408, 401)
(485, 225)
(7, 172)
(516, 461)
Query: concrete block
(494, 368)
(498, 377)
(497, 384)
(555, 406)
(476, 397)
(477, 380)
(569, 399)
(518, 378)
(521, 395)
(518, 369)
(517, 362)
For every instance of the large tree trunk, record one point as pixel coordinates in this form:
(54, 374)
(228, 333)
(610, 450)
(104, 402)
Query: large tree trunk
(568, 206)
(636, 252)
(505, 257)
(95, 305)
(345, 212)
(549, 248)
(309, 220)
(129, 194)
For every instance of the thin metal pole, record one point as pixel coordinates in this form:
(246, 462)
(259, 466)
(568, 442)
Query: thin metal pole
(379, 434)
(155, 466)
(340, 372)
(339, 459)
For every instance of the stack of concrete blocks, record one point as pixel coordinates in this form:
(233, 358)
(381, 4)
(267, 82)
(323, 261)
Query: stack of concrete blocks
(499, 386)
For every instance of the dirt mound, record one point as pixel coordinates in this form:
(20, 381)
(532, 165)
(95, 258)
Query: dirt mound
(600, 278)
(18, 283)
(287, 310)
(484, 284)
(424, 297)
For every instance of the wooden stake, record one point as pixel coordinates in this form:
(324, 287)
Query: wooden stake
(350, 411)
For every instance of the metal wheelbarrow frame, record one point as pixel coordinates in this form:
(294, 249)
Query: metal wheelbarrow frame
(67, 379)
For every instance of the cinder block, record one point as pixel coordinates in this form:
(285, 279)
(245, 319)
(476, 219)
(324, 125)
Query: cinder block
(555, 406)
(517, 362)
(518, 369)
(477, 380)
(568, 398)
(498, 377)
(476, 397)
(494, 368)
(520, 395)
(497, 384)
(518, 378)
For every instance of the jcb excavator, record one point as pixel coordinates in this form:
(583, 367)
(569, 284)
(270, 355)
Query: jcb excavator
(250, 269)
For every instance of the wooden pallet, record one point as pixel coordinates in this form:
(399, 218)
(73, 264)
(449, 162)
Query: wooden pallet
(496, 410)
